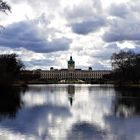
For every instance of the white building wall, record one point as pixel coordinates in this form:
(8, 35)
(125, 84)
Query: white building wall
(80, 74)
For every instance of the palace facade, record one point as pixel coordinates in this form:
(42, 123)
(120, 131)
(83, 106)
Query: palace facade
(72, 73)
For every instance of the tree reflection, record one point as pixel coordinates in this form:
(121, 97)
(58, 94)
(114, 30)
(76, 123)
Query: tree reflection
(71, 92)
(127, 102)
(10, 101)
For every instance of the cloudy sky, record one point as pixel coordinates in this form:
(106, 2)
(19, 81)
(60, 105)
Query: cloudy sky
(45, 33)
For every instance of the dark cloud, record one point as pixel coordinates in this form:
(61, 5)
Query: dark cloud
(125, 24)
(119, 10)
(106, 52)
(123, 29)
(26, 35)
(84, 18)
(121, 36)
(88, 26)
(83, 10)
(45, 63)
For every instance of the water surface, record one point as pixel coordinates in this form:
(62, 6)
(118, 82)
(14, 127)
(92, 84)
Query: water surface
(70, 112)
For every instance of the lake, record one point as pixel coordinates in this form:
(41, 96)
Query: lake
(70, 112)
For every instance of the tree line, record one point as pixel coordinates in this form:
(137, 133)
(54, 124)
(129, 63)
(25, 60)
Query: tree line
(126, 67)
(12, 71)
(10, 68)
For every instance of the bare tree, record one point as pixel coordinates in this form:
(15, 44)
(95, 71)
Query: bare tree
(126, 66)
(4, 7)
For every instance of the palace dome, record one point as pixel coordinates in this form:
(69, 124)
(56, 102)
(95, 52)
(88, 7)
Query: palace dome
(71, 61)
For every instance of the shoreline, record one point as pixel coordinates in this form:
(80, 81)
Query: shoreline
(26, 83)
(137, 85)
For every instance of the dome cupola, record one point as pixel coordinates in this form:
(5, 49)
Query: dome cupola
(71, 64)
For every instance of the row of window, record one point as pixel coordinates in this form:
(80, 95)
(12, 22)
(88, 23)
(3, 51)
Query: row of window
(73, 75)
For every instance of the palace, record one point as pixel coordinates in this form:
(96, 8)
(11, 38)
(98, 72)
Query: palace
(72, 73)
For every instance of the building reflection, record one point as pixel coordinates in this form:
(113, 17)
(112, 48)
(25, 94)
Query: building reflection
(71, 92)
(127, 102)
(10, 101)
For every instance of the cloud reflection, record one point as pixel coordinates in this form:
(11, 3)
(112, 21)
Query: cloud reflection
(69, 112)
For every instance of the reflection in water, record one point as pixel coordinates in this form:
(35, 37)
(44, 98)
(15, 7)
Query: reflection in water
(127, 102)
(71, 92)
(10, 101)
(86, 131)
(47, 114)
